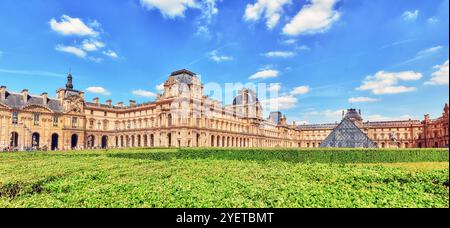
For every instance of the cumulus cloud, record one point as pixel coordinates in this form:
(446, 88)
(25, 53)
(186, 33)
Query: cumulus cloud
(169, 8)
(176, 8)
(316, 17)
(111, 54)
(279, 103)
(440, 76)
(274, 87)
(362, 99)
(143, 93)
(279, 54)
(387, 82)
(92, 45)
(216, 57)
(87, 44)
(72, 50)
(264, 74)
(98, 90)
(71, 26)
(301, 90)
(410, 15)
(270, 10)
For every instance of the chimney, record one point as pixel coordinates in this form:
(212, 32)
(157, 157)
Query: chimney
(3, 92)
(96, 101)
(44, 98)
(120, 104)
(109, 103)
(132, 103)
(25, 95)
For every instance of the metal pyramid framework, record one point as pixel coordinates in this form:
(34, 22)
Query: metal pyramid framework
(347, 135)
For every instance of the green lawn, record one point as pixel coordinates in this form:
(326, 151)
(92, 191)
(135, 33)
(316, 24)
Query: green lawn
(225, 178)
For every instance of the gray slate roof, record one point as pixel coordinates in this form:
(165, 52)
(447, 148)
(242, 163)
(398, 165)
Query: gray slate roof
(15, 101)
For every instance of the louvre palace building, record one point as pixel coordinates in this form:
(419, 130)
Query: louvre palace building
(183, 117)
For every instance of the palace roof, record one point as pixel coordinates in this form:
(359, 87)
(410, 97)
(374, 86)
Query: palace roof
(16, 101)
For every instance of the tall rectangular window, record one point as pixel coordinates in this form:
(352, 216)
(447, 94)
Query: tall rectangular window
(55, 121)
(74, 122)
(36, 118)
(15, 117)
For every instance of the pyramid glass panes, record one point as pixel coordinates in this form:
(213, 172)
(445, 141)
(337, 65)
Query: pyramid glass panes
(347, 135)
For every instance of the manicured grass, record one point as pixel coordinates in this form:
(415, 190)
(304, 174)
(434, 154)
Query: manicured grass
(225, 178)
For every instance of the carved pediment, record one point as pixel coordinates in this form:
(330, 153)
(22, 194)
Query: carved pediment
(74, 104)
(37, 108)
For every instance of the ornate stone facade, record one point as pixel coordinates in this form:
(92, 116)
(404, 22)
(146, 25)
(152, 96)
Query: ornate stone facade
(180, 117)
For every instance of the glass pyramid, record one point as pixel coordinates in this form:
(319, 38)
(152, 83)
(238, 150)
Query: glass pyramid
(347, 135)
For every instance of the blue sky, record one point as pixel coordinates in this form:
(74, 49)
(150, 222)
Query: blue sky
(388, 58)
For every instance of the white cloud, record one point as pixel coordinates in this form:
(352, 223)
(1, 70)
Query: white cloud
(289, 41)
(274, 87)
(279, 103)
(92, 45)
(316, 17)
(301, 90)
(98, 90)
(387, 82)
(362, 99)
(209, 9)
(440, 76)
(424, 53)
(111, 54)
(170, 8)
(271, 10)
(160, 87)
(279, 54)
(429, 51)
(410, 15)
(432, 20)
(216, 57)
(72, 26)
(264, 74)
(143, 93)
(72, 50)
